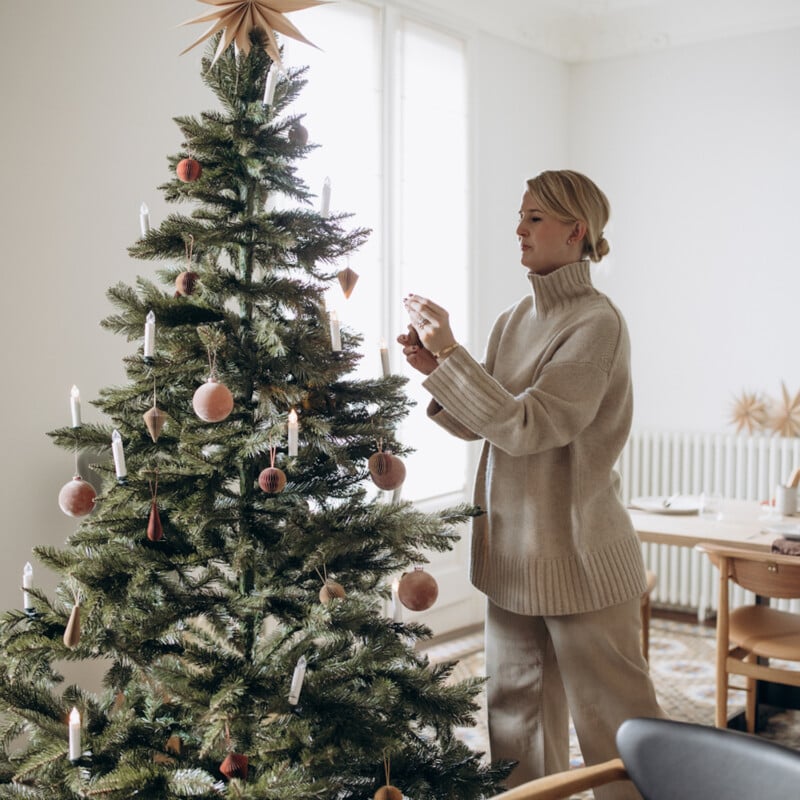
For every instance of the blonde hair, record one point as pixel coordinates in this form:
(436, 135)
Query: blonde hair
(569, 196)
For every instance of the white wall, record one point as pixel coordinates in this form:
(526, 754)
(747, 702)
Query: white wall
(697, 149)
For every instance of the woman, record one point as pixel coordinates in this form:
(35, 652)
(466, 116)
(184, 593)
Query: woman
(555, 552)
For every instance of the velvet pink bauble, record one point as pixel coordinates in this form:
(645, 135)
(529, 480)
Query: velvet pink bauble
(77, 497)
(388, 472)
(272, 480)
(417, 590)
(188, 170)
(213, 401)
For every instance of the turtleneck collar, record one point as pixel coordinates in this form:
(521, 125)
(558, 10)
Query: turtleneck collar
(561, 287)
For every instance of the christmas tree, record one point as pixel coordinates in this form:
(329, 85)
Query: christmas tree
(233, 571)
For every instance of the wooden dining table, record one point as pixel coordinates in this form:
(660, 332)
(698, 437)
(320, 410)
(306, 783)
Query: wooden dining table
(737, 523)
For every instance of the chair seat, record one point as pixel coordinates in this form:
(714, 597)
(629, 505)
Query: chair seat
(766, 631)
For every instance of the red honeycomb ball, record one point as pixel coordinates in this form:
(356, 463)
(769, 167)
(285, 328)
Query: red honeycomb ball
(188, 170)
(417, 590)
(212, 401)
(272, 480)
(77, 497)
(186, 282)
(234, 766)
(388, 792)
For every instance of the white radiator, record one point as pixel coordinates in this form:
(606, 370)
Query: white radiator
(731, 466)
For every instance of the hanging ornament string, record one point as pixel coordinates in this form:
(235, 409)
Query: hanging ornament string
(213, 340)
(387, 767)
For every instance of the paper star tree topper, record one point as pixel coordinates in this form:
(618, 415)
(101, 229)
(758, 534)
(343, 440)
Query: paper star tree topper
(239, 17)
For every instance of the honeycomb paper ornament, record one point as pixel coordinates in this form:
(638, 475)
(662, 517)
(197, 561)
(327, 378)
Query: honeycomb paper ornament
(188, 170)
(155, 530)
(388, 472)
(234, 766)
(186, 283)
(331, 590)
(417, 590)
(155, 420)
(77, 498)
(388, 792)
(347, 280)
(298, 135)
(212, 401)
(272, 480)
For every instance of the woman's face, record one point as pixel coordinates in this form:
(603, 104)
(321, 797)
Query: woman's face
(546, 243)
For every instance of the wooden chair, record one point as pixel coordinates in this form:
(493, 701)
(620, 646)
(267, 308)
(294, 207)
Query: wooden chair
(747, 636)
(666, 760)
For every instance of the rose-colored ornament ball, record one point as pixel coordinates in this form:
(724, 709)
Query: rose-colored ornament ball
(417, 590)
(272, 480)
(331, 590)
(388, 792)
(186, 282)
(77, 497)
(188, 170)
(234, 766)
(298, 135)
(212, 401)
(388, 472)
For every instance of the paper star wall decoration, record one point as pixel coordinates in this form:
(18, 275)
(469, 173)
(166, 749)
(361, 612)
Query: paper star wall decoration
(749, 412)
(239, 17)
(785, 418)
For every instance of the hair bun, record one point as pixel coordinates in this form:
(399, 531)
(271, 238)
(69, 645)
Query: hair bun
(602, 248)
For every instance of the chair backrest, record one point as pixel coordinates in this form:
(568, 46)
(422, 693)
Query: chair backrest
(667, 760)
(765, 574)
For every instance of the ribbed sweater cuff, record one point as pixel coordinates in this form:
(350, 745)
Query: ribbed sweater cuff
(464, 389)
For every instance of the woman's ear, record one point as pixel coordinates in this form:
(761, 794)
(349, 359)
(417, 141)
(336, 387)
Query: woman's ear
(578, 230)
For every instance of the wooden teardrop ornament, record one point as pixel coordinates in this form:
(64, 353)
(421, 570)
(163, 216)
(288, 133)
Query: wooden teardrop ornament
(234, 766)
(154, 419)
(72, 633)
(347, 280)
(155, 531)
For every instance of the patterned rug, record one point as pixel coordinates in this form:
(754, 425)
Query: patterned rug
(682, 666)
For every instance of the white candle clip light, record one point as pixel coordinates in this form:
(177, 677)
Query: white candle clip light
(149, 335)
(272, 82)
(385, 359)
(298, 676)
(325, 202)
(74, 735)
(144, 219)
(75, 406)
(27, 583)
(293, 433)
(336, 337)
(119, 456)
(397, 608)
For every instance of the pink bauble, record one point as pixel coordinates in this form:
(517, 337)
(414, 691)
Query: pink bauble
(388, 472)
(188, 169)
(272, 480)
(417, 590)
(213, 401)
(77, 497)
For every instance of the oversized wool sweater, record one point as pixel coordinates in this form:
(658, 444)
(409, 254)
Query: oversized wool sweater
(553, 403)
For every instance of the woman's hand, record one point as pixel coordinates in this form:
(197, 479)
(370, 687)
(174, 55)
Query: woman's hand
(431, 322)
(416, 355)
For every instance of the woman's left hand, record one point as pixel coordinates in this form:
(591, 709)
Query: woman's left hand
(431, 322)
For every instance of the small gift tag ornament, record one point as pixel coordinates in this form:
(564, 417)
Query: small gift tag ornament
(212, 401)
(272, 480)
(388, 792)
(186, 282)
(417, 590)
(188, 170)
(347, 279)
(72, 633)
(77, 497)
(155, 531)
(388, 472)
(331, 590)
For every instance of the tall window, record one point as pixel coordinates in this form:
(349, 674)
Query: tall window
(387, 102)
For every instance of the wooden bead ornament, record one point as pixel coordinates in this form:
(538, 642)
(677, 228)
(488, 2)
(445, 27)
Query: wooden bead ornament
(234, 766)
(388, 792)
(417, 590)
(347, 280)
(188, 170)
(212, 401)
(388, 472)
(77, 498)
(272, 480)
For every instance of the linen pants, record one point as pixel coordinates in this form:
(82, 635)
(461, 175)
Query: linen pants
(542, 669)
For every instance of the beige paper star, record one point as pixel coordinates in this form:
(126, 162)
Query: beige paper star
(785, 418)
(239, 17)
(749, 412)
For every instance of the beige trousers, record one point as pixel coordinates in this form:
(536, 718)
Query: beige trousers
(542, 669)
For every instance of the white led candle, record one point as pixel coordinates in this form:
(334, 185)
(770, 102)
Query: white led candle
(272, 82)
(74, 735)
(149, 334)
(27, 583)
(298, 676)
(385, 359)
(75, 406)
(336, 337)
(397, 608)
(119, 455)
(144, 219)
(293, 433)
(325, 202)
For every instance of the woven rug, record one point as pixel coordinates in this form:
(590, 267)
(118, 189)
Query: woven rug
(682, 666)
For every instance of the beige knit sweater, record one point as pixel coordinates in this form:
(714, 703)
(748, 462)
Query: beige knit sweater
(553, 403)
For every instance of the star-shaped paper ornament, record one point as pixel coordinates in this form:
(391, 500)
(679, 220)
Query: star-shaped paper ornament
(785, 418)
(239, 17)
(749, 412)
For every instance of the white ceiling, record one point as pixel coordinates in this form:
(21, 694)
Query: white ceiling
(586, 30)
